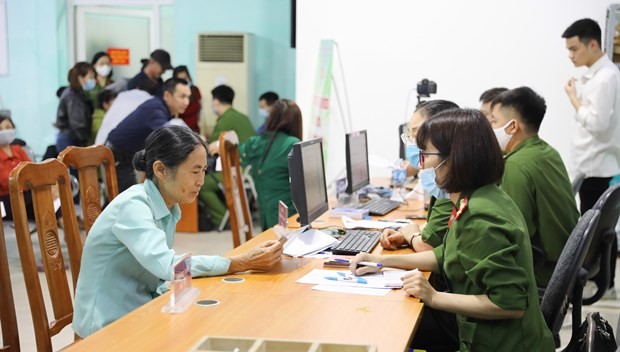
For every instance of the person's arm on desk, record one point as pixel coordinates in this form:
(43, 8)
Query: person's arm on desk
(425, 261)
(393, 239)
(262, 258)
(475, 306)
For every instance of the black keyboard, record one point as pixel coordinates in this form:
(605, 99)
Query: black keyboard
(356, 241)
(380, 206)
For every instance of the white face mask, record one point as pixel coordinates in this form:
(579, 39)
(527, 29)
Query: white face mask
(502, 137)
(103, 70)
(7, 136)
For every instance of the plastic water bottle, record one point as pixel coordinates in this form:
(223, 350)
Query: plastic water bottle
(399, 174)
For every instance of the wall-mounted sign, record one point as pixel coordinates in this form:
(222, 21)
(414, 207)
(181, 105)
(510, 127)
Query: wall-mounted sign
(118, 56)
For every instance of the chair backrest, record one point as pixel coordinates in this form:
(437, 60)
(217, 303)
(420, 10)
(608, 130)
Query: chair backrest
(577, 182)
(236, 200)
(88, 161)
(559, 291)
(40, 178)
(609, 205)
(8, 319)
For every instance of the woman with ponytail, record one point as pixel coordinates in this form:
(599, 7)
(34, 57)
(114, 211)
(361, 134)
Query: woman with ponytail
(75, 111)
(128, 253)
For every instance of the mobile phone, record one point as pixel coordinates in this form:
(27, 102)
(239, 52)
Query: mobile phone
(416, 217)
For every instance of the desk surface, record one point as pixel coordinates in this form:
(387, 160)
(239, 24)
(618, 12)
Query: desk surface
(267, 305)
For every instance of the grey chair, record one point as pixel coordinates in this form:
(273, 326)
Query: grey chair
(569, 278)
(577, 182)
(599, 259)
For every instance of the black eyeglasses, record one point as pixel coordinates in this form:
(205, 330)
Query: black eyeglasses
(423, 155)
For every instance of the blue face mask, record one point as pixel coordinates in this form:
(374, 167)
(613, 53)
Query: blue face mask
(90, 84)
(427, 177)
(263, 113)
(413, 155)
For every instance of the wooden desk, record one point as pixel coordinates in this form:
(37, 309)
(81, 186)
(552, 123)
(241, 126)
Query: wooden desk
(266, 305)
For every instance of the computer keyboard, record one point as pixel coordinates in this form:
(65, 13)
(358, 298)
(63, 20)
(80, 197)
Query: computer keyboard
(380, 206)
(356, 241)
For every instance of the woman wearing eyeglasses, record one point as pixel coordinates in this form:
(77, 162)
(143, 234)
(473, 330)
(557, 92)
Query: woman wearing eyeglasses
(440, 205)
(486, 255)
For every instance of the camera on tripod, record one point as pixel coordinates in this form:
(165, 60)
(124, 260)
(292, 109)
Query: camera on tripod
(426, 87)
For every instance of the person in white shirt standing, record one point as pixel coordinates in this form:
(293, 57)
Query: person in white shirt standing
(596, 145)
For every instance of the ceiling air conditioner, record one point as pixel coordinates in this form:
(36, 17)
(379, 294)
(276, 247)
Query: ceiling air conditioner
(225, 58)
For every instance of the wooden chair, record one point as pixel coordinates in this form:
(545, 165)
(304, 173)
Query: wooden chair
(87, 161)
(234, 188)
(8, 319)
(39, 178)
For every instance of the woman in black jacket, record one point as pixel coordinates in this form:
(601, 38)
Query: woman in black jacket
(75, 111)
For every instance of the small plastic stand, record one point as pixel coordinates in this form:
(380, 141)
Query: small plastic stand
(182, 293)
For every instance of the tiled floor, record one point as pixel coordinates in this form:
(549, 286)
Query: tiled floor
(211, 243)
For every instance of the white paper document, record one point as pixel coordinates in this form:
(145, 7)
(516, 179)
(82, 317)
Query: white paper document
(343, 278)
(373, 224)
(301, 243)
(393, 277)
(352, 290)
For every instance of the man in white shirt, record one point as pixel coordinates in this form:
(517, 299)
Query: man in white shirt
(124, 104)
(596, 143)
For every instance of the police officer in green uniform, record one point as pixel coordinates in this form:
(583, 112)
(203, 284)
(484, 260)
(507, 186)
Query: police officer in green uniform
(534, 176)
(268, 155)
(486, 255)
(228, 119)
(439, 208)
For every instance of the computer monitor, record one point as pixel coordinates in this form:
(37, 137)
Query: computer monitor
(307, 178)
(357, 160)
(401, 146)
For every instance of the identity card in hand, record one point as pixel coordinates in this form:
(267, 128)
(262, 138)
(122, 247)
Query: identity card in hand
(282, 214)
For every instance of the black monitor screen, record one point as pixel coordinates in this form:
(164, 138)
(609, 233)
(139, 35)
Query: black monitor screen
(307, 177)
(357, 160)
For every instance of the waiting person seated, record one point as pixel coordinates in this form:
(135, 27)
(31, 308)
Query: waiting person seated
(535, 176)
(268, 156)
(440, 205)
(265, 102)
(191, 115)
(10, 156)
(486, 98)
(128, 253)
(105, 100)
(103, 76)
(228, 119)
(486, 256)
(75, 112)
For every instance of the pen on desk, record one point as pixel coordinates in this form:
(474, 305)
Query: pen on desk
(357, 280)
(396, 221)
(376, 265)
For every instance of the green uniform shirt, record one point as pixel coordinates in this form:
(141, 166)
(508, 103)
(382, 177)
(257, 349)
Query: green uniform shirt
(439, 211)
(233, 120)
(271, 179)
(536, 180)
(487, 251)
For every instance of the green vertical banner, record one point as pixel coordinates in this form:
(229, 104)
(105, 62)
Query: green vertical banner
(319, 124)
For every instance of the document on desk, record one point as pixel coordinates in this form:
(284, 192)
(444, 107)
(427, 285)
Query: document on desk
(373, 224)
(352, 290)
(343, 278)
(302, 243)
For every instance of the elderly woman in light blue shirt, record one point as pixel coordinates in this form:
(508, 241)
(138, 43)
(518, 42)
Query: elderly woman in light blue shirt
(128, 254)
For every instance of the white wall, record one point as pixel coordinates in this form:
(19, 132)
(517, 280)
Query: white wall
(465, 46)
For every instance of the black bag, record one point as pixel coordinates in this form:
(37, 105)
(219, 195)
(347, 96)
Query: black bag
(595, 335)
